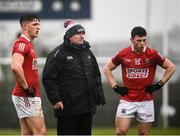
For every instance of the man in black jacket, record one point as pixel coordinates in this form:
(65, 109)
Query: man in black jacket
(72, 81)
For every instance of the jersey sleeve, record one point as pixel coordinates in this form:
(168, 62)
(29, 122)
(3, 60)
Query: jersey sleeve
(116, 60)
(21, 48)
(159, 59)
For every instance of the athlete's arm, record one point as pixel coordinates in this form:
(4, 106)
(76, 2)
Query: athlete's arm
(16, 66)
(169, 70)
(108, 68)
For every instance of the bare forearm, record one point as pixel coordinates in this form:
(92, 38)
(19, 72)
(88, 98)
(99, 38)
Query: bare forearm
(169, 70)
(167, 74)
(109, 76)
(16, 66)
(19, 75)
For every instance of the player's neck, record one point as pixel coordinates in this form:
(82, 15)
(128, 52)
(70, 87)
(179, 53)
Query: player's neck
(27, 36)
(138, 52)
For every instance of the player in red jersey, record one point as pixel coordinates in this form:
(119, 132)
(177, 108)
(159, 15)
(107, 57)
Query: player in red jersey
(138, 63)
(26, 93)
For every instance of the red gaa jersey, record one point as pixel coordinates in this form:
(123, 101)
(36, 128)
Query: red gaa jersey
(24, 47)
(138, 71)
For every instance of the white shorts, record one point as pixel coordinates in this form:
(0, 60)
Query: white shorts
(27, 106)
(143, 111)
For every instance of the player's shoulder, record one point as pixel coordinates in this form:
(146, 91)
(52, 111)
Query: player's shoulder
(21, 45)
(22, 39)
(150, 51)
(56, 52)
(21, 42)
(125, 51)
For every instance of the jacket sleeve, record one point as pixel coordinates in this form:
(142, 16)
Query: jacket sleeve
(50, 76)
(98, 84)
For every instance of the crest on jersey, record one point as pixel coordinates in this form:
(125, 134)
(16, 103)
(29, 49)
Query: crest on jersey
(137, 61)
(147, 61)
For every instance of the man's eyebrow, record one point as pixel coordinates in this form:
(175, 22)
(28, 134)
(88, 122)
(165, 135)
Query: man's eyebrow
(141, 39)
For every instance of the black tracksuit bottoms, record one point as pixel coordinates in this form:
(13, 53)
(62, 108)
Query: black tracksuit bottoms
(79, 124)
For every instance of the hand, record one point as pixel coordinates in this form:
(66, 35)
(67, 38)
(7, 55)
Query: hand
(58, 105)
(120, 90)
(101, 101)
(30, 92)
(151, 88)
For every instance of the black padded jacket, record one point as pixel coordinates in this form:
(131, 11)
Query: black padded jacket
(71, 75)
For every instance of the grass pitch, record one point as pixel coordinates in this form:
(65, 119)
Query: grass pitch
(101, 131)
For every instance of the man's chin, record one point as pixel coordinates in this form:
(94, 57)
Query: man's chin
(81, 42)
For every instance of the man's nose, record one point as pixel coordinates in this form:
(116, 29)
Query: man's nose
(82, 34)
(38, 27)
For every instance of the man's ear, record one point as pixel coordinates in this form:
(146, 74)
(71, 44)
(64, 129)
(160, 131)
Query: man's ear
(24, 25)
(131, 39)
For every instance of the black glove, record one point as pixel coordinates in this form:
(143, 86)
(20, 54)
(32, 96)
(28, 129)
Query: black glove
(151, 88)
(120, 90)
(30, 92)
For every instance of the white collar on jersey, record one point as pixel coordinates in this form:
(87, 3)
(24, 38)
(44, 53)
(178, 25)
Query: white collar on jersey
(25, 38)
(143, 49)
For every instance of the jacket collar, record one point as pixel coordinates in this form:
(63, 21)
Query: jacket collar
(74, 46)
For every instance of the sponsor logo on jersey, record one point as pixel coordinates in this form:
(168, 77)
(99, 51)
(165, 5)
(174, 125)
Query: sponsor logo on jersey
(137, 72)
(21, 46)
(34, 64)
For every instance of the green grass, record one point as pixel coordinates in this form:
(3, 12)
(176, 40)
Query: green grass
(102, 131)
(133, 131)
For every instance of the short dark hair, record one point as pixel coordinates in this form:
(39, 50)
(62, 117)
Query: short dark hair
(139, 31)
(28, 17)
